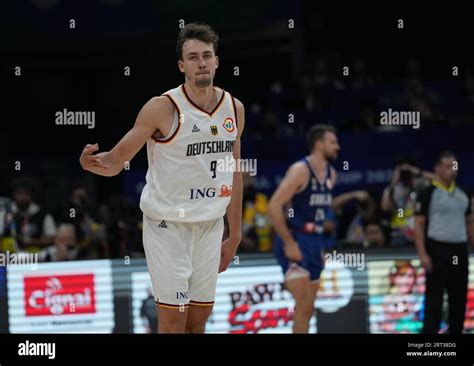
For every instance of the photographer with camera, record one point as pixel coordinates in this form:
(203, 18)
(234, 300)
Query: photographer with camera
(398, 200)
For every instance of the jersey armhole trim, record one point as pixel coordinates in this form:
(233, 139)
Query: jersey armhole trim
(235, 111)
(173, 135)
(304, 186)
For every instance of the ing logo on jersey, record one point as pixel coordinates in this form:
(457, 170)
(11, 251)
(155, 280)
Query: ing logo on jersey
(228, 124)
(225, 191)
(214, 130)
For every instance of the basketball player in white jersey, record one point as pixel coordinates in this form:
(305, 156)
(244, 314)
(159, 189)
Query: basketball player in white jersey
(188, 130)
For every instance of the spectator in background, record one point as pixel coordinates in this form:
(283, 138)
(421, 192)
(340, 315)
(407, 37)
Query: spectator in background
(308, 93)
(321, 72)
(7, 243)
(398, 200)
(148, 313)
(256, 225)
(374, 235)
(64, 248)
(78, 212)
(368, 119)
(254, 115)
(366, 209)
(270, 124)
(101, 233)
(124, 225)
(360, 74)
(27, 225)
(413, 69)
(418, 98)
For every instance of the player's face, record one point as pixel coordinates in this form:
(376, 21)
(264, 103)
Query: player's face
(199, 62)
(330, 146)
(445, 169)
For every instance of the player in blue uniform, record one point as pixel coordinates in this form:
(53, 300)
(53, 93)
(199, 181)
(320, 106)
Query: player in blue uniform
(303, 219)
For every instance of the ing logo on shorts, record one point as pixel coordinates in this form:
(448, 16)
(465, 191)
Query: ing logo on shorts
(182, 295)
(228, 124)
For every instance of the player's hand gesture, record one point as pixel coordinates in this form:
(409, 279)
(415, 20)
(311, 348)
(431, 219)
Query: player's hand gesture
(88, 160)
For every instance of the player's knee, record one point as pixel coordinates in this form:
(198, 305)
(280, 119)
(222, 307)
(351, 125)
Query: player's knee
(305, 307)
(171, 321)
(196, 325)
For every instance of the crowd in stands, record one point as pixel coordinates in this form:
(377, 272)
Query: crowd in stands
(81, 230)
(353, 102)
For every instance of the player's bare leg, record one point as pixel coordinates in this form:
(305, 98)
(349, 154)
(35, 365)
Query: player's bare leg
(197, 318)
(304, 292)
(172, 320)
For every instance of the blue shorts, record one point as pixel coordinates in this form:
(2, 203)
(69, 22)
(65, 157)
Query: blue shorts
(310, 246)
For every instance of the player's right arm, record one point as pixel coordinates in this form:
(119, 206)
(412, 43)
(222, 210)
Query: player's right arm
(295, 178)
(156, 114)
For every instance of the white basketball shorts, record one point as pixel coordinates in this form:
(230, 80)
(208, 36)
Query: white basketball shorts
(183, 260)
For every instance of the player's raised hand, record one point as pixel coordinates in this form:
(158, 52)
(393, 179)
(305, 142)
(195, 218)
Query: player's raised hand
(88, 160)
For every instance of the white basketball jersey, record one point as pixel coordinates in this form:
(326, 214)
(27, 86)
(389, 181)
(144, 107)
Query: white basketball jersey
(187, 179)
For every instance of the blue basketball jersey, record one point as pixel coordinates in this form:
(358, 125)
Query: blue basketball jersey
(313, 204)
(310, 208)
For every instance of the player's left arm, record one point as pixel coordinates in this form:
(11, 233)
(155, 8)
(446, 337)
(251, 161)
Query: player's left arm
(330, 225)
(234, 209)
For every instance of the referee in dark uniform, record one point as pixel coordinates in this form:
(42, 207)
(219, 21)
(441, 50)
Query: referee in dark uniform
(443, 228)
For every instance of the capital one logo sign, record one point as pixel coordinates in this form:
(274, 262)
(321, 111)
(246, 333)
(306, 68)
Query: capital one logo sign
(59, 295)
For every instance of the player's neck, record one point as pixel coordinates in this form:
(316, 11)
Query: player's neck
(205, 98)
(318, 161)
